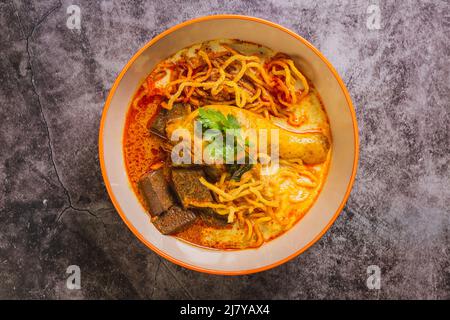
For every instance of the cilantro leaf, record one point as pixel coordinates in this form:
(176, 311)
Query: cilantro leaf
(212, 119)
(232, 123)
(225, 126)
(237, 170)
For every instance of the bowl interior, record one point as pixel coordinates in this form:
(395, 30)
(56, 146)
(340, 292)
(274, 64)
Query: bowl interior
(329, 202)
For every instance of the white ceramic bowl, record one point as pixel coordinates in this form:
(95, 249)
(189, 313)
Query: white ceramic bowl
(343, 127)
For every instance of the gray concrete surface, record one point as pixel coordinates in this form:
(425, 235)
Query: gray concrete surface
(55, 211)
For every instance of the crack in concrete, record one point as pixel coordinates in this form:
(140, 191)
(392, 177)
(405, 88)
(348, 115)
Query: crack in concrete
(154, 277)
(74, 209)
(188, 293)
(41, 109)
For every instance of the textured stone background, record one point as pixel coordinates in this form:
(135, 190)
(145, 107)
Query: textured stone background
(54, 208)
